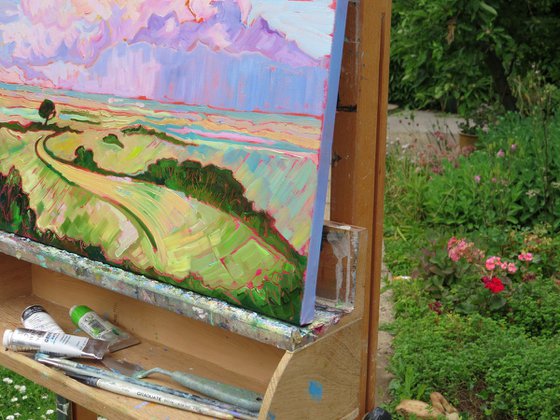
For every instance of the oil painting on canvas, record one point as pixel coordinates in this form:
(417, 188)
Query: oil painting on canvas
(187, 141)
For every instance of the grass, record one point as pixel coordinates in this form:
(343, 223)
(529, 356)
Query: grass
(23, 399)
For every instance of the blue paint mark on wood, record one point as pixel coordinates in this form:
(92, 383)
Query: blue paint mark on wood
(271, 416)
(142, 404)
(316, 390)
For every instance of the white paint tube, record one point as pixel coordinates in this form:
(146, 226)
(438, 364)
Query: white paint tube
(35, 317)
(60, 345)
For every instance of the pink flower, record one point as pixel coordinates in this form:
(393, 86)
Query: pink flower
(493, 262)
(504, 266)
(436, 307)
(454, 255)
(439, 135)
(525, 256)
(451, 242)
(513, 147)
(511, 268)
(460, 248)
(477, 179)
(500, 153)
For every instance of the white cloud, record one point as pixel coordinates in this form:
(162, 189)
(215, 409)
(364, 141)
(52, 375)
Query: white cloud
(308, 23)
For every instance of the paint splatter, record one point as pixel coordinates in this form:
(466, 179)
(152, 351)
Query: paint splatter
(316, 390)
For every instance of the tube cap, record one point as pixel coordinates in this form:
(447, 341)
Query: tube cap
(30, 310)
(77, 312)
(7, 338)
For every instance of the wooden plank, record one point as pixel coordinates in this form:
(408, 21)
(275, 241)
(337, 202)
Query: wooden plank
(359, 165)
(16, 277)
(318, 381)
(348, 96)
(81, 413)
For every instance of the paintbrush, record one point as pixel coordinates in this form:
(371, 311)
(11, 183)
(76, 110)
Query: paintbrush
(82, 369)
(240, 397)
(143, 393)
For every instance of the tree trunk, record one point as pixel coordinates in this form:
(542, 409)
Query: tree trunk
(496, 68)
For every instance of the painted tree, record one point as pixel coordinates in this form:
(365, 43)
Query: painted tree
(47, 110)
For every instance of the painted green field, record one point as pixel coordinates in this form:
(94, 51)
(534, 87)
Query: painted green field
(88, 179)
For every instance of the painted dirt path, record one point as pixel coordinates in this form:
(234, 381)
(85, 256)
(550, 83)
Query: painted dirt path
(186, 234)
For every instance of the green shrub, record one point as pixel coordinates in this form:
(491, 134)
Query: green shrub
(461, 54)
(523, 382)
(435, 58)
(514, 180)
(535, 307)
(483, 366)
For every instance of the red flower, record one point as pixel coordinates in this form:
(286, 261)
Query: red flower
(494, 284)
(436, 307)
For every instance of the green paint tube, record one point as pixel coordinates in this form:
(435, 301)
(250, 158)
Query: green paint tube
(96, 327)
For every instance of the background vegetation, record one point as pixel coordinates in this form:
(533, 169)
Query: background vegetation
(487, 339)
(458, 54)
(477, 231)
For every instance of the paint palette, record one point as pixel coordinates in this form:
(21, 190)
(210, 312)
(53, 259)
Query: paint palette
(185, 141)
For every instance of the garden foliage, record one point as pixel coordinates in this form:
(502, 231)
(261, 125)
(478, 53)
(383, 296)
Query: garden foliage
(459, 54)
(480, 319)
(514, 181)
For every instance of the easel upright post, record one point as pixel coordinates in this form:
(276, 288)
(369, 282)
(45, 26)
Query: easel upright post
(358, 172)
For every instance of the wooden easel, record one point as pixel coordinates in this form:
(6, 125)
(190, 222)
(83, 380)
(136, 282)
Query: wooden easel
(326, 370)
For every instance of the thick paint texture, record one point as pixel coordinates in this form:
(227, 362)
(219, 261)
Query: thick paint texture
(189, 142)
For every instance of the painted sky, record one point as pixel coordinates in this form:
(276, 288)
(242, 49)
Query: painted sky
(265, 55)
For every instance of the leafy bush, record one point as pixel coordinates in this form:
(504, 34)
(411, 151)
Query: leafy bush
(535, 308)
(514, 180)
(433, 51)
(523, 382)
(460, 54)
(485, 367)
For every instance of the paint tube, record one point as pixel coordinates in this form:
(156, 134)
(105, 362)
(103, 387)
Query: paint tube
(60, 345)
(35, 317)
(96, 327)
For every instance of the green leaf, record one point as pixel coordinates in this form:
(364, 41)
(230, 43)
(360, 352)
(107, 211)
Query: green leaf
(488, 8)
(496, 302)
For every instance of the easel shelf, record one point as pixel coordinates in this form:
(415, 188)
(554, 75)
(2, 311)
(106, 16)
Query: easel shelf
(186, 303)
(324, 357)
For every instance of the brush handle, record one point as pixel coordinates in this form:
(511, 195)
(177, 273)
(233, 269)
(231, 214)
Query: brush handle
(146, 394)
(228, 393)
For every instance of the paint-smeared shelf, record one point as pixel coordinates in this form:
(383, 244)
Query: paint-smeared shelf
(186, 303)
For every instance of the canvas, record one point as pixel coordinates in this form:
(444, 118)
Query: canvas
(188, 141)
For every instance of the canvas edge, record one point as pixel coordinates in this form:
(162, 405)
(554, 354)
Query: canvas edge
(325, 154)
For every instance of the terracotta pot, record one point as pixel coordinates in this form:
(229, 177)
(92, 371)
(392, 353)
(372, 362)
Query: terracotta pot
(467, 140)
